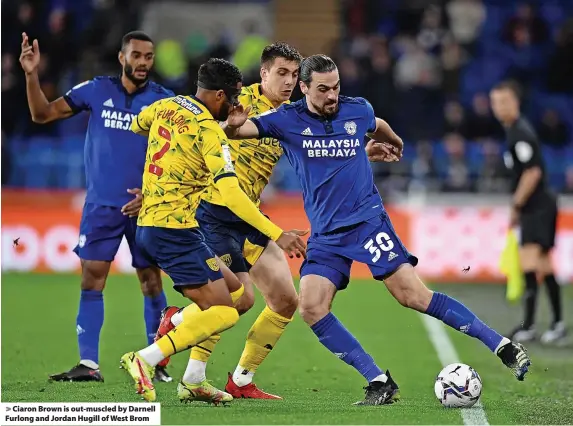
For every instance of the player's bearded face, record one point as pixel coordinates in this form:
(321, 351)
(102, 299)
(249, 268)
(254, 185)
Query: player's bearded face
(323, 91)
(228, 99)
(137, 61)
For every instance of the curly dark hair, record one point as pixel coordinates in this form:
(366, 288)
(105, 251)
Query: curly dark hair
(134, 35)
(219, 71)
(279, 50)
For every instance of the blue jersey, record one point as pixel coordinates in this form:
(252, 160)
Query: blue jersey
(329, 158)
(114, 156)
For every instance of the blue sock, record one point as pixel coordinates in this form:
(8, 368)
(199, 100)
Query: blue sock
(344, 345)
(89, 323)
(152, 312)
(457, 316)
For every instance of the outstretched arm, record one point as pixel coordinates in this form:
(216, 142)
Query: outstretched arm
(238, 126)
(218, 159)
(246, 131)
(42, 110)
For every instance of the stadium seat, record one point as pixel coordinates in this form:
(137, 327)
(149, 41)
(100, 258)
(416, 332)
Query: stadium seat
(40, 156)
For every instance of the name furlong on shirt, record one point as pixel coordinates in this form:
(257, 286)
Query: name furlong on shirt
(331, 148)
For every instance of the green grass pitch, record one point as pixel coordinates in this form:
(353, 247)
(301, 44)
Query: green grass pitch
(39, 338)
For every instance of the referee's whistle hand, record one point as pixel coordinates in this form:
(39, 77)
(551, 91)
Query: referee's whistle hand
(292, 244)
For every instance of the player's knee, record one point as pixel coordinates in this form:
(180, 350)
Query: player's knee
(283, 304)
(530, 257)
(150, 280)
(245, 302)
(417, 299)
(94, 275)
(414, 296)
(312, 313)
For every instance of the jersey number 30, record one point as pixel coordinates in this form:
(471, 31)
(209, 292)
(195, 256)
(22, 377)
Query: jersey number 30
(383, 242)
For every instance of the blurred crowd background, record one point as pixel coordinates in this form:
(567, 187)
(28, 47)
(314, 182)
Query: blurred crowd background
(426, 67)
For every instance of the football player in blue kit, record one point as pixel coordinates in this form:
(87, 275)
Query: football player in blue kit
(114, 160)
(322, 136)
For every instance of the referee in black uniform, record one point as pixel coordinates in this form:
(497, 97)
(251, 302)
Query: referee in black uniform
(533, 210)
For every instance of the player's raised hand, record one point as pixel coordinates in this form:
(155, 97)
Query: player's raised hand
(132, 208)
(238, 116)
(292, 244)
(30, 55)
(381, 151)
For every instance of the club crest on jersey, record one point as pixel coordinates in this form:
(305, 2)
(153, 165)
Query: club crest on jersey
(212, 264)
(227, 260)
(350, 127)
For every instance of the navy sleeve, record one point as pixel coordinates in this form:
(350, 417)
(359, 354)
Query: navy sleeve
(79, 97)
(370, 117)
(269, 124)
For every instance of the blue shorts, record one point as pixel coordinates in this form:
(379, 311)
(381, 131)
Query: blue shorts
(373, 242)
(180, 253)
(101, 231)
(233, 240)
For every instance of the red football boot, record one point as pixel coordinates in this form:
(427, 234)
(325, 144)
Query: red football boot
(165, 326)
(248, 391)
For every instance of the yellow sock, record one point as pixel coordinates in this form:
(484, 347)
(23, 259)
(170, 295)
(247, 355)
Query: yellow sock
(203, 350)
(196, 327)
(236, 295)
(262, 338)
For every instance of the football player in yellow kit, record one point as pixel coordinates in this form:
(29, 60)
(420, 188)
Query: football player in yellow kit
(187, 154)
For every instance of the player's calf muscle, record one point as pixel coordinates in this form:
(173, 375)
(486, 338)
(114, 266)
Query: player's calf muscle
(150, 280)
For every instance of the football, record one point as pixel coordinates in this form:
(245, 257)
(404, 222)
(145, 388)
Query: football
(458, 386)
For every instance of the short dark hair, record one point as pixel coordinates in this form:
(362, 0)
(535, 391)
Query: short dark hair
(510, 85)
(315, 63)
(219, 72)
(134, 35)
(279, 50)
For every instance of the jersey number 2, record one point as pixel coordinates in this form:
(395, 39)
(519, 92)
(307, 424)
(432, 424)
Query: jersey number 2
(156, 170)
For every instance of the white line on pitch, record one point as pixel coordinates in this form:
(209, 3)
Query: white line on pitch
(448, 355)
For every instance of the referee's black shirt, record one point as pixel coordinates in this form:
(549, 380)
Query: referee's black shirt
(524, 152)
